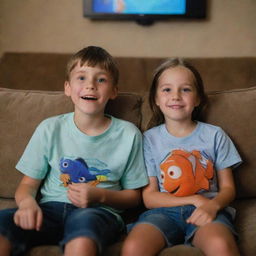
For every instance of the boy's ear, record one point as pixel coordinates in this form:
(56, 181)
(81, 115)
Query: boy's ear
(67, 88)
(114, 93)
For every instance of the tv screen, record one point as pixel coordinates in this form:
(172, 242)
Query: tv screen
(144, 10)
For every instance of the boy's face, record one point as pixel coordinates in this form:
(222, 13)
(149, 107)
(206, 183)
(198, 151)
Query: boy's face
(90, 88)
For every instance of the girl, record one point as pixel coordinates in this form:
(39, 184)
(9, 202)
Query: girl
(189, 166)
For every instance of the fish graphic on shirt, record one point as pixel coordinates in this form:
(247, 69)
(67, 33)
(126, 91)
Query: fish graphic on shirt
(185, 173)
(77, 171)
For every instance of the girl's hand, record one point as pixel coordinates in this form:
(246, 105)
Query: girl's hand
(199, 200)
(82, 194)
(204, 214)
(29, 215)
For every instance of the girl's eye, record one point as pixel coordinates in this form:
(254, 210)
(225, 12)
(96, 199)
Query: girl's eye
(166, 89)
(187, 89)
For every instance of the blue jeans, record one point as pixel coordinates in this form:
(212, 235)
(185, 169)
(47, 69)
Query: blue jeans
(171, 222)
(62, 222)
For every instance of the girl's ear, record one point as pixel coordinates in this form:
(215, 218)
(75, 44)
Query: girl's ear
(156, 101)
(198, 101)
(67, 88)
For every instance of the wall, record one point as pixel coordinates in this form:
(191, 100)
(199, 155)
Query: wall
(59, 26)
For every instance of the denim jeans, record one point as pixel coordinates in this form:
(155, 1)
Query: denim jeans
(171, 222)
(62, 222)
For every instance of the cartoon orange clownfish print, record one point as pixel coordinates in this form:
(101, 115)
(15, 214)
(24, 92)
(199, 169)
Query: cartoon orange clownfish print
(185, 173)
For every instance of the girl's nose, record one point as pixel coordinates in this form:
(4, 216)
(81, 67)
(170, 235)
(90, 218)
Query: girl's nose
(175, 95)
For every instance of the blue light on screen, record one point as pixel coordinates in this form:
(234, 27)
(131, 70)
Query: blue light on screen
(175, 7)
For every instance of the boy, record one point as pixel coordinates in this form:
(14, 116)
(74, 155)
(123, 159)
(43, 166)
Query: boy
(91, 164)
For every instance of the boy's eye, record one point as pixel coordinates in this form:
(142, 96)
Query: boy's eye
(102, 80)
(82, 78)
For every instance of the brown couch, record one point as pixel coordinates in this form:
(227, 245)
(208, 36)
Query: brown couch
(233, 109)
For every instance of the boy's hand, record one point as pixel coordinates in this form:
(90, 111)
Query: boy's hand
(204, 213)
(29, 215)
(82, 194)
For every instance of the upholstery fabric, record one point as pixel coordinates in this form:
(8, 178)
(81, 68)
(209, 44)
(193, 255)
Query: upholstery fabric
(46, 71)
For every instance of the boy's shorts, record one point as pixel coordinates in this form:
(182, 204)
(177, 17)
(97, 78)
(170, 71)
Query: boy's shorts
(62, 222)
(171, 222)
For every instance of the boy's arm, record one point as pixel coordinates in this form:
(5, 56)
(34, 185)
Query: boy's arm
(153, 198)
(207, 212)
(82, 195)
(29, 214)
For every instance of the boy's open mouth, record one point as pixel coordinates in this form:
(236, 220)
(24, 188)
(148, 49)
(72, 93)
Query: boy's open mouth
(89, 98)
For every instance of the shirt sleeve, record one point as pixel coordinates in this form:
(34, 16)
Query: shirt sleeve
(135, 175)
(149, 159)
(33, 162)
(226, 153)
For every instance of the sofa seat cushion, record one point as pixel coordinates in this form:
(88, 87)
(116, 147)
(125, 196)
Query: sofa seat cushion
(245, 224)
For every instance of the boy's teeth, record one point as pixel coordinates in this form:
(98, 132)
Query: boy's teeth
(89, 98)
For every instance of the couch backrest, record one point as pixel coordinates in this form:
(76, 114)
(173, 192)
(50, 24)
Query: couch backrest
(234, 111)
(46, 71)
(21, 111)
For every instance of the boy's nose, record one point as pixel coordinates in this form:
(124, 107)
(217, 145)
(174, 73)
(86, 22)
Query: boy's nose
(90, 85)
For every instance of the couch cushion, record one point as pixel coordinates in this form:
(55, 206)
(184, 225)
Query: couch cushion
(21, 111)
(235, 112)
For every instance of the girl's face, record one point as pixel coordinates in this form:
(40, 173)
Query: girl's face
(176, 94)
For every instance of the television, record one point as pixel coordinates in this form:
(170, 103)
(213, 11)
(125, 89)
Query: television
(144, 12)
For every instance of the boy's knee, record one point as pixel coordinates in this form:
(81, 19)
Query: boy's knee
(81, 246)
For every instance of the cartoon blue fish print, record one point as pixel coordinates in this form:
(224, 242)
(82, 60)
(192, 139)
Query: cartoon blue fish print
(77, 171)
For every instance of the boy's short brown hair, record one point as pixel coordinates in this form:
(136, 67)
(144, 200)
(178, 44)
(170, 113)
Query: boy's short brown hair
(92, 56)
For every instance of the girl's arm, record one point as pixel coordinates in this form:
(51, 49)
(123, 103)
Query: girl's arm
(29, 214)
(207, 211)
(83, 195)
(153, 198)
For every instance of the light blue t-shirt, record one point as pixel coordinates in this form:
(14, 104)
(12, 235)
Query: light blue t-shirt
(195, 158)
(116, 155)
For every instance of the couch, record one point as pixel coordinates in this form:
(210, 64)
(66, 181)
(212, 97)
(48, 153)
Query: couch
(28, 94)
